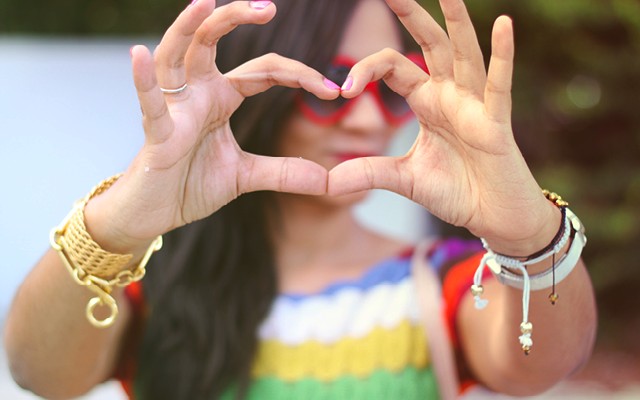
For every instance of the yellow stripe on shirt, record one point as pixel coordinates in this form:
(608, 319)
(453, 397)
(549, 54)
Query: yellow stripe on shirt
(389, 349)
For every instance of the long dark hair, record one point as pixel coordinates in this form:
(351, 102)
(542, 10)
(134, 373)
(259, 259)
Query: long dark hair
(213, 283)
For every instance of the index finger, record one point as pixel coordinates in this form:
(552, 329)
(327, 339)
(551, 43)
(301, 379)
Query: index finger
(402, 75)
(259, 74)
(202, 54)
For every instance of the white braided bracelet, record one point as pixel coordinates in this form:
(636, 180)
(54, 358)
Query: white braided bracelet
(499, 265)
(563, 266)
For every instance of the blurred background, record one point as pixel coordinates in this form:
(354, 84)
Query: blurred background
(69, 117)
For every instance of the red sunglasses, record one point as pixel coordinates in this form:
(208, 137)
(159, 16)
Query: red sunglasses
(325, 112)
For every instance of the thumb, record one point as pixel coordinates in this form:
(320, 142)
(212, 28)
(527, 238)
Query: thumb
(282, 174)
(371, 173)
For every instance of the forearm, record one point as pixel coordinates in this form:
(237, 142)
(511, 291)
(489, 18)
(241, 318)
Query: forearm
(52, 349)
(563, 335)
(562, 328)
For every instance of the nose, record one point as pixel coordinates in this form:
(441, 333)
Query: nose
(365, 114)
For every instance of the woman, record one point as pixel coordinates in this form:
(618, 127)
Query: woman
(250, 239)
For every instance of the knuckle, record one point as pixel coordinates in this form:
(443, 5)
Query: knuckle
(284, 174)
(271, 59)
(369, 173)
(164, 59)
(491, 87)
(425, 45)
(460, 55)
(271, 64)
(390, 53)
(155, 115)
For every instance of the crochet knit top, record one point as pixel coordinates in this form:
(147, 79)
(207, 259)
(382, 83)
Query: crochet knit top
(355, 339)
(359, 339)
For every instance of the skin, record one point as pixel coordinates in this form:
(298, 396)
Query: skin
(464, 167)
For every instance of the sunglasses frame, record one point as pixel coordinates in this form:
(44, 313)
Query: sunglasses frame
(347, 104)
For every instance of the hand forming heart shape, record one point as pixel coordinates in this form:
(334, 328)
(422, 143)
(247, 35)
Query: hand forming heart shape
(464, 166)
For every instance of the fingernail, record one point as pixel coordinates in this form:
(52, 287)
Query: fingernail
(193, 2)
(259, 4)
(131, 50)
(331, 85)
(347, 83)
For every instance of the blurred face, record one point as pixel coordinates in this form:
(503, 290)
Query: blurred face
(363, 130)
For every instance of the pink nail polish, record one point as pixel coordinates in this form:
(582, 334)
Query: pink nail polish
(331, 85)
(347, 83)
(259, 4)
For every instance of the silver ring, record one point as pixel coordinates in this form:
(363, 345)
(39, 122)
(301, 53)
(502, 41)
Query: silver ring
(174, 91)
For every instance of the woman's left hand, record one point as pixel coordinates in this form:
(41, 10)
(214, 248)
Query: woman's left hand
(464, 166)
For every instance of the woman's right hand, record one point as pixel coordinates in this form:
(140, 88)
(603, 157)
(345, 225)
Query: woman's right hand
(190, 164)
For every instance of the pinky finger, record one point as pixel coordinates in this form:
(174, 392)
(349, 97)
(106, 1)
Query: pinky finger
(497, 94)
(156, 118)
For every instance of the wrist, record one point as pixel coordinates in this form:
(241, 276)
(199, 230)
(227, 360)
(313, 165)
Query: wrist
(91, 265)
(564, 250)
(549, 220)
(106, 230)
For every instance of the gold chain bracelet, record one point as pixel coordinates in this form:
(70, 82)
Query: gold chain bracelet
(91, 266)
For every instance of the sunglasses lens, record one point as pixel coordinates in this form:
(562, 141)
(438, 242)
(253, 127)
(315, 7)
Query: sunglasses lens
(394, 103)
(338, 73)
(396, 106)
(322, 108)
(327, 108)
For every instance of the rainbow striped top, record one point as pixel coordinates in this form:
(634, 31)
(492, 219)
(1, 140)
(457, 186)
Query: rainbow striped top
(355, 339)
(359, 339)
